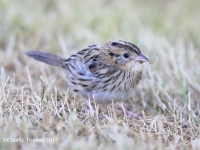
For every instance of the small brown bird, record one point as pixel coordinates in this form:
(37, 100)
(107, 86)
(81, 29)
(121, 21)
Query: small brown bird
(105, 72)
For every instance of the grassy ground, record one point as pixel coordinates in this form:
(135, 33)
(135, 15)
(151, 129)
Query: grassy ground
(35, 102)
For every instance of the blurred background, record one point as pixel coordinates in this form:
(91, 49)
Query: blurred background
(40, 24)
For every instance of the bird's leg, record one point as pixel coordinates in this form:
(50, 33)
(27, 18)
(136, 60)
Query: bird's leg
(129, 114)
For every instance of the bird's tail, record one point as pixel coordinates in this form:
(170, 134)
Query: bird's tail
(46, 58)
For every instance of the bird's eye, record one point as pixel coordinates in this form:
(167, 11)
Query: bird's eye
(126, 55)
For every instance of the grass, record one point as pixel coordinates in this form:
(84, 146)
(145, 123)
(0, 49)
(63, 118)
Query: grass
(35, 102)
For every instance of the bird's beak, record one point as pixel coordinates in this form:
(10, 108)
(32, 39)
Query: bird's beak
(141, 58)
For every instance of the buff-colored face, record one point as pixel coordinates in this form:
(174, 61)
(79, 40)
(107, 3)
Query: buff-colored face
(123, 55)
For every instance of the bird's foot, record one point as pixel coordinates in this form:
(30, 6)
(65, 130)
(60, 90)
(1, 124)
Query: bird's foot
(121, 110)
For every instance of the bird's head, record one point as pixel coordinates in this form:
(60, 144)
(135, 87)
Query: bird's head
(123, 55)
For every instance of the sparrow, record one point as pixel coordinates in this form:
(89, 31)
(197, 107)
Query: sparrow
(103, 73)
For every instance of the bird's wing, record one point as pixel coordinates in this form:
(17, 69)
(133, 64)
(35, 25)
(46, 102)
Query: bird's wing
(79, 75)
(92, 57)
(87, 69)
